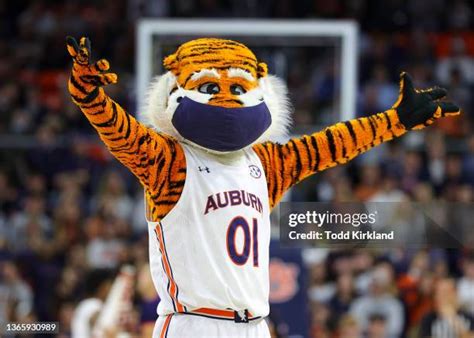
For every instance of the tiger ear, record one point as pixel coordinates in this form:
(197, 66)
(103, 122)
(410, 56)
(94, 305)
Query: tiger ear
(262, 69)
(171, 63)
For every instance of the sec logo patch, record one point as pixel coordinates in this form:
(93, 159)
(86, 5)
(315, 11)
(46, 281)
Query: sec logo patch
(255, 171)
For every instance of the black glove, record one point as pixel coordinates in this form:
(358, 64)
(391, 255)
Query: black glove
(417, 109)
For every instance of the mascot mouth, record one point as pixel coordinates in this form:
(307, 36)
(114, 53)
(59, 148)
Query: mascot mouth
(219, 128)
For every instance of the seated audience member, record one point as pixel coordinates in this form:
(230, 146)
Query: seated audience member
(447, 320)
(380, 302)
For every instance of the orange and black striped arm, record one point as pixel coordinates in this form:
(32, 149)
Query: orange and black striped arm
(288, 164)
(157, 160)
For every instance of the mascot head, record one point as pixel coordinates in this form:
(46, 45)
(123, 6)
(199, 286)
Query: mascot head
(216, 95)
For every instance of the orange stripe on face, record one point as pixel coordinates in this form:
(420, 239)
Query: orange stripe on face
(228, 58)
(165, 327)
(210, 53)
(173, 288)
(225, 97)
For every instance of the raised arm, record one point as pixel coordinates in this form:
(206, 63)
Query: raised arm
(157, 160)
(287, 164)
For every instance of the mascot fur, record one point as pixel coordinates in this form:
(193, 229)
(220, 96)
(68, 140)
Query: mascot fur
(212, 172)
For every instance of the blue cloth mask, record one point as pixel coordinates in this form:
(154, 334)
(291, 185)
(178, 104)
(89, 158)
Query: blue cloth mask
(218, 128)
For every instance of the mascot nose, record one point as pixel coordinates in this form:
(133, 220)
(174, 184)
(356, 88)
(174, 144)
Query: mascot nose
(226, 100)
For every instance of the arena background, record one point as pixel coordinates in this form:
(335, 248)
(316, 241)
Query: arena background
(70, 215)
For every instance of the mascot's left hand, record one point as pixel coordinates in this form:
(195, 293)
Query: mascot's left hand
(417, 109)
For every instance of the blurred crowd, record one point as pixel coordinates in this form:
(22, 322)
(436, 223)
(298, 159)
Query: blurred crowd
(68, 210)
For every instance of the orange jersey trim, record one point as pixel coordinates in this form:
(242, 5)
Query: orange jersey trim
(166, 325)
(172, 286)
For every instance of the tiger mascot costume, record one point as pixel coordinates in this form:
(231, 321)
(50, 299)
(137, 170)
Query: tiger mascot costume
(212, 173)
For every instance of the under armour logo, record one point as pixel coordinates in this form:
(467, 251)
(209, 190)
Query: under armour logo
(206, 169)
(241, 316)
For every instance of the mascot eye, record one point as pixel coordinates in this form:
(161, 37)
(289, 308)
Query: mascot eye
(209, 88)
(237, 89)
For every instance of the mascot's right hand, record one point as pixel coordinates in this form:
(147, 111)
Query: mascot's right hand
(418, 109)
(86, 78)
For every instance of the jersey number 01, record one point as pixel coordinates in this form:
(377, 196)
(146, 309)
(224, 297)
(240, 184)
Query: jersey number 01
(250, 241)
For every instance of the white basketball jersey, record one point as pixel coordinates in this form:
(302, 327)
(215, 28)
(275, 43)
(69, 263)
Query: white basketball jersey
(211, 252)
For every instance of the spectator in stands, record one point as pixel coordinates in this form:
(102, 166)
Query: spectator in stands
(458, 61)
(377, 327)
(345, 295)
(380, 91)
(369, 182)
(412, 171)
(320, 317)
(104, 249)
(415, 287)
(97, 285)
(380, 302)
(348, 327)
(320, 289)
(447, 320)
(112, 201)
(466, 285)
(16, 296)
(389, 190)
(30, 225)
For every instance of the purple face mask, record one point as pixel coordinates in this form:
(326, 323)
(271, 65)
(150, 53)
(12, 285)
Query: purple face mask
(219, 128)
